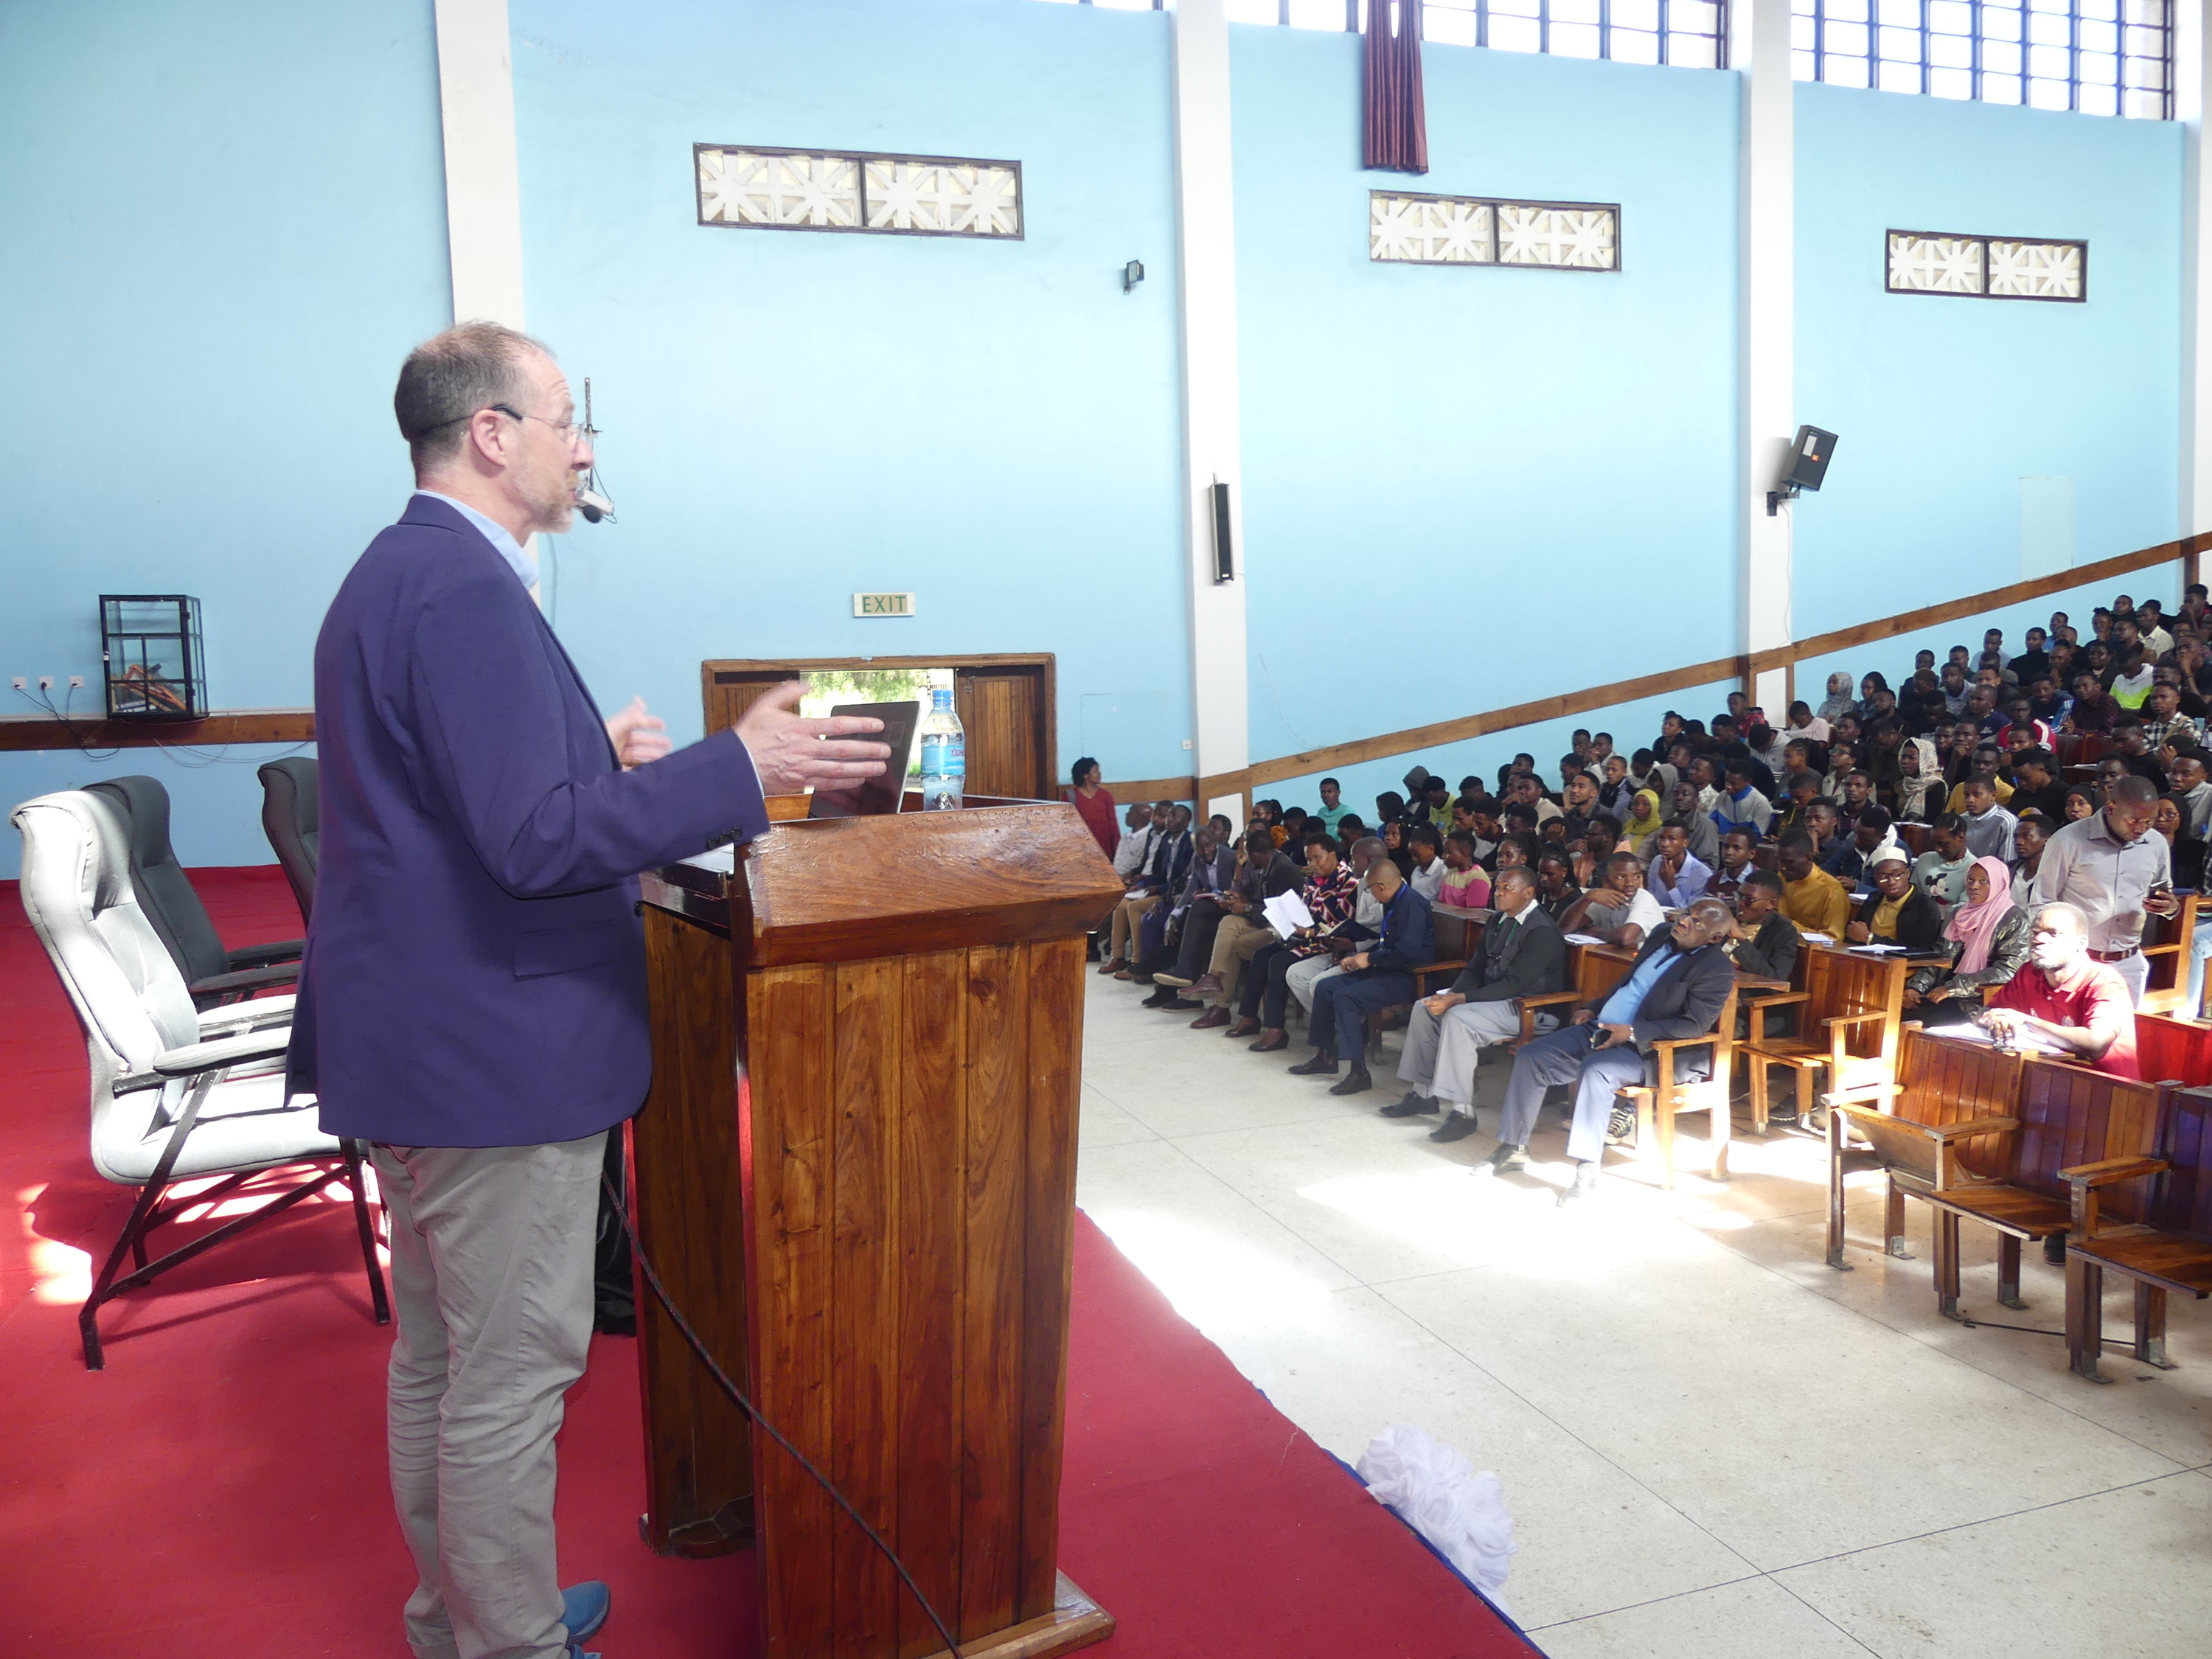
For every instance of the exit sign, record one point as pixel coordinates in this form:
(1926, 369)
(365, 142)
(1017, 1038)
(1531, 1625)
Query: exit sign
(883, 605)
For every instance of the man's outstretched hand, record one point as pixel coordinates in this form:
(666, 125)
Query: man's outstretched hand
(637, 736)
(792, 754)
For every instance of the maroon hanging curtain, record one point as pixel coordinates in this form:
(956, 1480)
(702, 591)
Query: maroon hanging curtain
(1397, 129)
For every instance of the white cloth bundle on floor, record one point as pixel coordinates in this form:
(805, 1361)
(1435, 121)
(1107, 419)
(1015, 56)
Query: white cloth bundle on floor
(1437, 1492)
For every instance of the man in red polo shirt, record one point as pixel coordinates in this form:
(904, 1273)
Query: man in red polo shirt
(2064, 997)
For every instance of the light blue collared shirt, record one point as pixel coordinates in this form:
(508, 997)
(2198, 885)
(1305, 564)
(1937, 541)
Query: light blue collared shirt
(516, 556)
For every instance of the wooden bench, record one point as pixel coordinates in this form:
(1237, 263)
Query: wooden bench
(1658, 1104)
(1847, 1018)
(1994, 1155)
(2173, 1047)
(2168, 1246)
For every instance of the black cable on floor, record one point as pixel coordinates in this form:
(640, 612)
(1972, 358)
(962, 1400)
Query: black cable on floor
(723, 1381)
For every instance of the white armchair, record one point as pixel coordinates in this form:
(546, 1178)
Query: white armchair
(177, 1093)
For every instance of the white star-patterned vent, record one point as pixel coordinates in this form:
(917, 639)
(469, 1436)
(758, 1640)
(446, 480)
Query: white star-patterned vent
(1988, 267)
(2036, 270)
(894, 195)
(961, 198)
(1476, 230)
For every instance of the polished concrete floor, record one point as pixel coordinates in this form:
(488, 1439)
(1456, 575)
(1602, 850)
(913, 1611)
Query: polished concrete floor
(1712, 1444)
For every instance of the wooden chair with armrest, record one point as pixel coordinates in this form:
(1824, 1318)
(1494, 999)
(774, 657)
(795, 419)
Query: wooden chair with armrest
(1592, 969)
(1847, 1017)
(2166, 947)
(1458, 935)
(2002, 1169)
(2168, 1248)
(1659, 1104)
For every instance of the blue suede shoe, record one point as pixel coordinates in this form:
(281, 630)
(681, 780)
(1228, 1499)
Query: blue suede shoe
(583, 1610)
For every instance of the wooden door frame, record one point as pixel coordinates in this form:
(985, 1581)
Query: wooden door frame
(1043, 660)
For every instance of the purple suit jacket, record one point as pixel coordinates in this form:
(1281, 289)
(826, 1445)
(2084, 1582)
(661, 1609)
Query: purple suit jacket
(475, 972)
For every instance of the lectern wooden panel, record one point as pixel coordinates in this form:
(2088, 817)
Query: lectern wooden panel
(856, 1175)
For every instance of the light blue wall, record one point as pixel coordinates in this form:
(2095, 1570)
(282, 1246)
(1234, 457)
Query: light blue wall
(1943, 406)
(225, 224)
(791, 418)
(1516, 479)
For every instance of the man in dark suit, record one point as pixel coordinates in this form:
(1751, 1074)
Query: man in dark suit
(1381, 977)
(1677, 989)
(472, 1001)
(1523, 954)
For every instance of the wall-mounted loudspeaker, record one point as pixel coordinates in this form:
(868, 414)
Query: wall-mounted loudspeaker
(1807, 466)
(1225, 562)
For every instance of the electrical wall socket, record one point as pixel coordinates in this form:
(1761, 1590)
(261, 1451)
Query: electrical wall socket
(21, 685)
(45, 682)
(77, 682)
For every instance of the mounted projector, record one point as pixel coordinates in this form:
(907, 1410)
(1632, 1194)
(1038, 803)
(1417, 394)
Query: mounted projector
(1808, 464)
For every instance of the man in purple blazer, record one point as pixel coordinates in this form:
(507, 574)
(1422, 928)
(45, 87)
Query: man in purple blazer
(472, 1001)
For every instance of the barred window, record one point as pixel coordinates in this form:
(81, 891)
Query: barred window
(2099, 56)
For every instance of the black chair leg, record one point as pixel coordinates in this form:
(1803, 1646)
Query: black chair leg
(132, 1239)
(378, 1301)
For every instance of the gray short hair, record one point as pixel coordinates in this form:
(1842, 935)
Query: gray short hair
(450, 376)
(2073, 912)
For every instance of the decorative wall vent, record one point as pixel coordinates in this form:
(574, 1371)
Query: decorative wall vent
(1987, 267)
(752, 188)
(1481, 230)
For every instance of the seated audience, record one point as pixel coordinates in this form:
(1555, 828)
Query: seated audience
(1426, 843)
(2035, 785)
(2066, 1000)
(1377, 977)
(1762, 941)
(1194, 915)
(1920, 776)
(1642, 822)
(1896, 912)
(1264, 873)
(1139, 826)
(1812, 898)
(1396, 847)
(1742, 803)
(1988, 939)
(1464, 887)
(1686, 810)
(1522, 954)
(1556, 890)
(1330, 891)
(1679, 984)
(2082, 800)
(1332, 808)
(1166, 867)
(1848, 858)
(1677, 877)
(1621, 911)
(1940, 871)
(1739, 858)
(2184, 854)
(2028, 837)
(1987, 826)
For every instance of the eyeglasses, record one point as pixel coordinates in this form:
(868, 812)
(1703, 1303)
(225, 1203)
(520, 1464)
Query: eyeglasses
(570, 432)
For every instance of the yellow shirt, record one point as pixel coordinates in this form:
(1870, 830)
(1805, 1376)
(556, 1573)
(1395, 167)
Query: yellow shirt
(1957, 802)
(1884, 925)
(1817, 904)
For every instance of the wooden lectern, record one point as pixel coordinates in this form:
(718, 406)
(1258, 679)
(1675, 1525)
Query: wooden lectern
(872, 1230)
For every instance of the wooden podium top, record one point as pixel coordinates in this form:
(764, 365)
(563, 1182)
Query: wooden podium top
(833, 890)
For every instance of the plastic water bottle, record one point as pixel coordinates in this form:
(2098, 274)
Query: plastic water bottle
(944, 754)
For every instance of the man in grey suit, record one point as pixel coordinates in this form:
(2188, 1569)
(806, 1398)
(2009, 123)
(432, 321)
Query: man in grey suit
(1523, 954)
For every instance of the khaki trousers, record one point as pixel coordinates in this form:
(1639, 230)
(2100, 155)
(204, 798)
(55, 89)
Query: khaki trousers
(1235, 943)
(491, 1281)
(1126, 915)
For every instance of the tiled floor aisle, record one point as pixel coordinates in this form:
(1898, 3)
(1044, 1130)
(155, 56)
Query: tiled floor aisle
(1713, 1444)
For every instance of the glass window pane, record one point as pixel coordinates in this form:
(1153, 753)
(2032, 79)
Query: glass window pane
(2140, 72)
(2099, 68)
(1847, 71)
(1574, 40)
(1845, 11)
(1801, 34)
(2098, 37)
(1951, 17)
(1694, 51)
(1515, 34)
(2102, 10)
(1951, 83)
(2051, 62)
(1900, 13)
(1900, 77)
(1998, 24)
(1571, 11)
(2100, 100)
(1849, 40)
(1124, 5)
(1801, 66)
(1253, 11)
(1454, 28)
(2045, 30)
(2049, 95)
(2147, 105)
(1693, 16)
(1901, 45)
(2145, 11)
(1323, 14)
(1951, 52)
(1515, 8)
(2000, 88)
(2003, 57)
(1635, 14)
(1634, 45)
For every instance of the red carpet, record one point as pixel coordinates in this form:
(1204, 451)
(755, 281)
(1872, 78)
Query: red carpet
(219, 1488)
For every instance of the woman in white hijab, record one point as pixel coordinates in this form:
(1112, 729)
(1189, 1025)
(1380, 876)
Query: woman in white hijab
(1838, 700)
(1920, 791)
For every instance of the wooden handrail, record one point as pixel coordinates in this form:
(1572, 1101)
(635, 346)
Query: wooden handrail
(20, 734)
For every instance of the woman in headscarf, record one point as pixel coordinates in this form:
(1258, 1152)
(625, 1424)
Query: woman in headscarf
(1920, 791)
(1642, 823)
(2082, 800)
(1838, 700)
(1988, 937)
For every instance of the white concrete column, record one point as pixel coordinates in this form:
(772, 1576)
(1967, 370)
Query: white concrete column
(1206, 231)
(1758, 46)
(2192, 71)
(483, 192)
